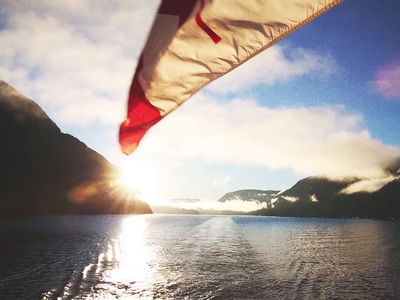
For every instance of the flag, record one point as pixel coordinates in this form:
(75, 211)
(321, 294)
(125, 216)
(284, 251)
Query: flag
(193, 42)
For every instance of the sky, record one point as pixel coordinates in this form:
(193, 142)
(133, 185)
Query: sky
(324, 101)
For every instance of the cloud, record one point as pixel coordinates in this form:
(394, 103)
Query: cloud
(234, 205)
(368, 185)
(221, 181)
(387, 79)
(275, 65)
(74, 58)
(314, 198)
(287, 198)
(311, 141)
(185, 200)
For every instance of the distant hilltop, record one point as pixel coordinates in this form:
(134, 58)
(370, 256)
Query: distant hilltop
(250, 195)
(330, 198)
(347, 198)
(45, 171)
(324, 197)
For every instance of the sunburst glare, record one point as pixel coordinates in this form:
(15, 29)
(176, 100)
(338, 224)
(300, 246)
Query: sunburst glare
(138, 178)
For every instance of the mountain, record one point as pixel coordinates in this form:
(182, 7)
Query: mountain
(250, 195)
(323, 197)
(45, 171)
(182, 206)
(165, 209)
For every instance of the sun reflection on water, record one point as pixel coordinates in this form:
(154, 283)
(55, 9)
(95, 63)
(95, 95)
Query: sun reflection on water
(131, 251)
(132, 261)
(126, 269)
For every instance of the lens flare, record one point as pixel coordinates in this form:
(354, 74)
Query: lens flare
(138, 177)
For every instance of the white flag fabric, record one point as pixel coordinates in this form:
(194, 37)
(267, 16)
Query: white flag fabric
(193, 42)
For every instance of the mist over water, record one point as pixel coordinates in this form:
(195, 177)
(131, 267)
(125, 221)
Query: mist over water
(199, 257)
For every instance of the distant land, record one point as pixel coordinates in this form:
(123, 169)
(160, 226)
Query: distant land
(260, 196)
(44, 171)
(318, 197)
(165, 209)
(249, 195)
(323, 197)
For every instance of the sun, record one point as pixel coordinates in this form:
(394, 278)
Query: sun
(138, 178)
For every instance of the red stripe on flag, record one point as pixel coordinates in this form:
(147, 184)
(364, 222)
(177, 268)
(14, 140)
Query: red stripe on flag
(141, 116)
(215, 37)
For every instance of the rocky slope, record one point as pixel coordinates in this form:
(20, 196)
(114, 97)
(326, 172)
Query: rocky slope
(44, 171)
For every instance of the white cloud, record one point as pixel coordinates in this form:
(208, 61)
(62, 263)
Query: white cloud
(312, 141)
(221, 181)
(272, 66)
(75, 59)
(234, 205)
(290, 199)
(72, 54)
(368, 185)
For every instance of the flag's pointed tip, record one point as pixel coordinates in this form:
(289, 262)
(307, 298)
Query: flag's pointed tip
(128, 145)
(128, 149)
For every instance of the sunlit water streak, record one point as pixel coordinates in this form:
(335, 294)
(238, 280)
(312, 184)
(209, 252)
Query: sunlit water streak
(199, 257)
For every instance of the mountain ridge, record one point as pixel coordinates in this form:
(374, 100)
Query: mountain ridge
(250, 195)
(45, 171)
(324, 197)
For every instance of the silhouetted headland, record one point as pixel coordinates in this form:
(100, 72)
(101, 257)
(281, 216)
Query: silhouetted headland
(44, 171)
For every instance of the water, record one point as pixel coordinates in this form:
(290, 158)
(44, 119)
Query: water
(198, 257)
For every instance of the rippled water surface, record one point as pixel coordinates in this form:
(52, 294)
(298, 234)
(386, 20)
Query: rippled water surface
(198, 257)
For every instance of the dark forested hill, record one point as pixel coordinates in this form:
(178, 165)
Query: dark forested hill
(322, 197)
(44, 171)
